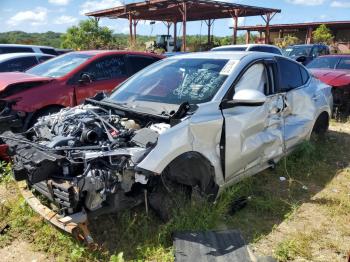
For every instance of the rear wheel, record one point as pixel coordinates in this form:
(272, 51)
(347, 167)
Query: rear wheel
(321, 124)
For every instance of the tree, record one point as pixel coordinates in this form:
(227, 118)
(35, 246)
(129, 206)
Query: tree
(322, 35)
(88, 35)
(287, 40)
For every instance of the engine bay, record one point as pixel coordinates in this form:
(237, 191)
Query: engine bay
(85, 158)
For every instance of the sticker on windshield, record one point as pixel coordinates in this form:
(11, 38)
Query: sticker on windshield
(228, 68)
(288, 50)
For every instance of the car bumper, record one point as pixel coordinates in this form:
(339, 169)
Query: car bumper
(75, 224)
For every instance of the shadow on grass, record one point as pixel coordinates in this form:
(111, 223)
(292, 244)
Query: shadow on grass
(271, 201)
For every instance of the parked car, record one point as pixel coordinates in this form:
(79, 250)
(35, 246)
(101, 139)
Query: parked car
(202, 120)
(64, 81)
(251, 47)
(21, 61)
(15, 48)
(306, 53)
(334, 70)
(61, 51)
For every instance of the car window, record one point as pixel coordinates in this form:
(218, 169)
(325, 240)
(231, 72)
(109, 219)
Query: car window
(254, 78)
(43, 58)
(49, 51)
(267, 49)
(289, 74)
(304, 75)
(344, 63)
(316, 51)
(229, 49)
(15, 49)
(139, 62)
(18, 64)
(325, 62)
(60, 65)
(176, 80)
(110, 67)
(296, 51)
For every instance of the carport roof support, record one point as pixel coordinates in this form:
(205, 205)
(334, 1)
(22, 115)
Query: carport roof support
(183, 11)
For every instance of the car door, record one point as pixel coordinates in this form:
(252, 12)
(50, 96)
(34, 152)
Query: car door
(253, 134)
(299, 101)
(104, 73)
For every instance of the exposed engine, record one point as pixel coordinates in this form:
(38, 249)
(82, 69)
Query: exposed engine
(85, 158)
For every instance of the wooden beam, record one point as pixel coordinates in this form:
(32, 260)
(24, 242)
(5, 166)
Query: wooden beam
(135, 22)
(130, 28)
(175, 35)
(183, 10)
(247, 37)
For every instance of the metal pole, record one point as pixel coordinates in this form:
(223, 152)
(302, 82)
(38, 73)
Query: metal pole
(247, 37)
(184, 21)
(235, 25)
(135, 24)
(130, 28)
(175, 35)
(267, 34)
(209, 26)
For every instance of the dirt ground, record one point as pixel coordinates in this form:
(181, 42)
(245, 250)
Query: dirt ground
(326, 237)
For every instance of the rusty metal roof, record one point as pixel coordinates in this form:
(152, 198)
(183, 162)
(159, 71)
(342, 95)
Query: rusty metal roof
(168, 10)
(332, 24)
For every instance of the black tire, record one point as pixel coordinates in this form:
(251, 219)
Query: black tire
(321, 125)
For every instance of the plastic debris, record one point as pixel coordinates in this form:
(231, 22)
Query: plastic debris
(282, 178)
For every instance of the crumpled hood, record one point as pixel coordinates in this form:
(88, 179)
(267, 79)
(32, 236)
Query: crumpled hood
(332, 77)
(12, 78)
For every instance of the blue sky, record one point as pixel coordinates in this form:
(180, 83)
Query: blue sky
(58, 15)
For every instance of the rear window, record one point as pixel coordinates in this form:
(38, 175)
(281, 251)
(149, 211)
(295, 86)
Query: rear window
(18, 64)
(15, 49)
(267, 49)
(229, 49)
(324, 62)
(344, 64)
(290, 75)
(49, 51)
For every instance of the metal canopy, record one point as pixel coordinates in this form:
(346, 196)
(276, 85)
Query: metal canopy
(168, 10)
(174, 11)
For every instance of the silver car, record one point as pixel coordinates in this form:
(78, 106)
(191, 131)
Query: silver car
(202, 120)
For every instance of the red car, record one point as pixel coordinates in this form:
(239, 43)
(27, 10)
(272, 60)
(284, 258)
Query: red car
(334, 70)
(64, 81)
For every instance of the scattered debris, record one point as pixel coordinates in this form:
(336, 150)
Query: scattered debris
(282, 178)
(238, 204)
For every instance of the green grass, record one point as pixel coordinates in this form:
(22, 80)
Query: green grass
(133, 235)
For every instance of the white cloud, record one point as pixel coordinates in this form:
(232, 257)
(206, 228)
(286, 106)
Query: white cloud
(341, 4)
(65, 19)
(90, 5)
(33, 17)
(306, 2)
(59, 2)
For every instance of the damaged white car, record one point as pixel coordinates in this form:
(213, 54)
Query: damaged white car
(203, 121)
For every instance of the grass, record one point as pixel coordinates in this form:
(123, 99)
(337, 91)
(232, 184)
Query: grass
(133, 235)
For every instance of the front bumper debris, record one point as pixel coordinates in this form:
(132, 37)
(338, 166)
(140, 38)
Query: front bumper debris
(75, 224)
(10, 121)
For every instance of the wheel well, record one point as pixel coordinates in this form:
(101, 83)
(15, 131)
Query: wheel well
(40, 111)
(321, 123)
(193, 169)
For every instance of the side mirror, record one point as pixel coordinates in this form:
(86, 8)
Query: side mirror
(85, 79)
(301, 59)
(245, 97)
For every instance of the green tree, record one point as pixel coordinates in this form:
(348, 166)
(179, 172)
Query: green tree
(322, 35)
(88, 35)
(287, 41)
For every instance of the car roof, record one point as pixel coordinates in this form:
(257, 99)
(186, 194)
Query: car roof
(20, 45)
(111, 52)
(244, 46)
(5, 57)
(336, 55)
(307, 45)
(232, 55)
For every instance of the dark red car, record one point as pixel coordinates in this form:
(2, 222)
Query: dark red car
(334, 70)
(64, 81)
